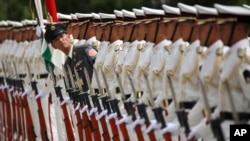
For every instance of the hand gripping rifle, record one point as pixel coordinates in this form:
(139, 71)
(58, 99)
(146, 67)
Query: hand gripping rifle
(33, 83)
(113, 103)
(180, 112)
(215, 123)
(66, 119)
(158, 112)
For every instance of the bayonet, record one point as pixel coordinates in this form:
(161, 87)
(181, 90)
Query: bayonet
(151, 98)
(97, 80)
(106, 84)
(15, 69)
(28, 68)
(172, 92)
(132, 85)
(120, 86)
(206, 104)
(230, 97)
(52, 74)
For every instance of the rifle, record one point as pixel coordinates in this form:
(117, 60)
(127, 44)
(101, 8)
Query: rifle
(7, 108)
(43, 129)
(94, 122)
(77, 117)
(114, 105)
(130, 110)
(18, 101)
(157, 112)
(102, 119)
(215, 123)
(82, 100)
(180, 112)
(66, 119)
(122, 125)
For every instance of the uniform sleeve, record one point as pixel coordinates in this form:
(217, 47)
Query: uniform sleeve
(91, 52)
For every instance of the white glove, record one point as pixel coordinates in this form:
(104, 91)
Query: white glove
(193, 133)
(172, 128)
(66, 100)
(39, 30)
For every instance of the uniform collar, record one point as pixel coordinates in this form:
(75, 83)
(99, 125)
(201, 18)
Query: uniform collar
(216, 44)
(195, 43)
(90, 40)
(243, 43)
(178, 42)
(150, 44)
(117, 42)
(163, 43)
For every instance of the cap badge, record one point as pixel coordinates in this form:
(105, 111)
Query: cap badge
(53, 27)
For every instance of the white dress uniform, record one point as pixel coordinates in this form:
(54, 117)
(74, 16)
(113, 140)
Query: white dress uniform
(234, 73)
(157, 63)
(238, 85)
(188, 77)
(172, 67)
(210, 78)
(141, 67)
(209, 75)
(130, 62)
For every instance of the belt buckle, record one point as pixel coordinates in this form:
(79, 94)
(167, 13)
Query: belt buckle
(205, 113)
(139, 94)
(165, 102)
(37, 76)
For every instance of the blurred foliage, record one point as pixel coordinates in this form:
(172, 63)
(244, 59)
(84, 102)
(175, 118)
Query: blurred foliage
(24, 9)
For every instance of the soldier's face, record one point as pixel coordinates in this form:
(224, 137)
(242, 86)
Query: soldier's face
(62, 42)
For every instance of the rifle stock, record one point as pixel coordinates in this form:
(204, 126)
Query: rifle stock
(66, 119)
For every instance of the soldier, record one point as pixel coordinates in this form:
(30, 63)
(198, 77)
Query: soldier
(233, 83)
(78, 57)
(209, 76)
(56, 34)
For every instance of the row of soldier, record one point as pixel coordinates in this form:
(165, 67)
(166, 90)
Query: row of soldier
(177, 73)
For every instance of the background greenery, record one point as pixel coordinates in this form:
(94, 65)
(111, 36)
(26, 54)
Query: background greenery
(23, 9)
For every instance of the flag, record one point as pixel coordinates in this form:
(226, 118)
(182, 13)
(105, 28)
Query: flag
(52, 11)
(47, 55)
